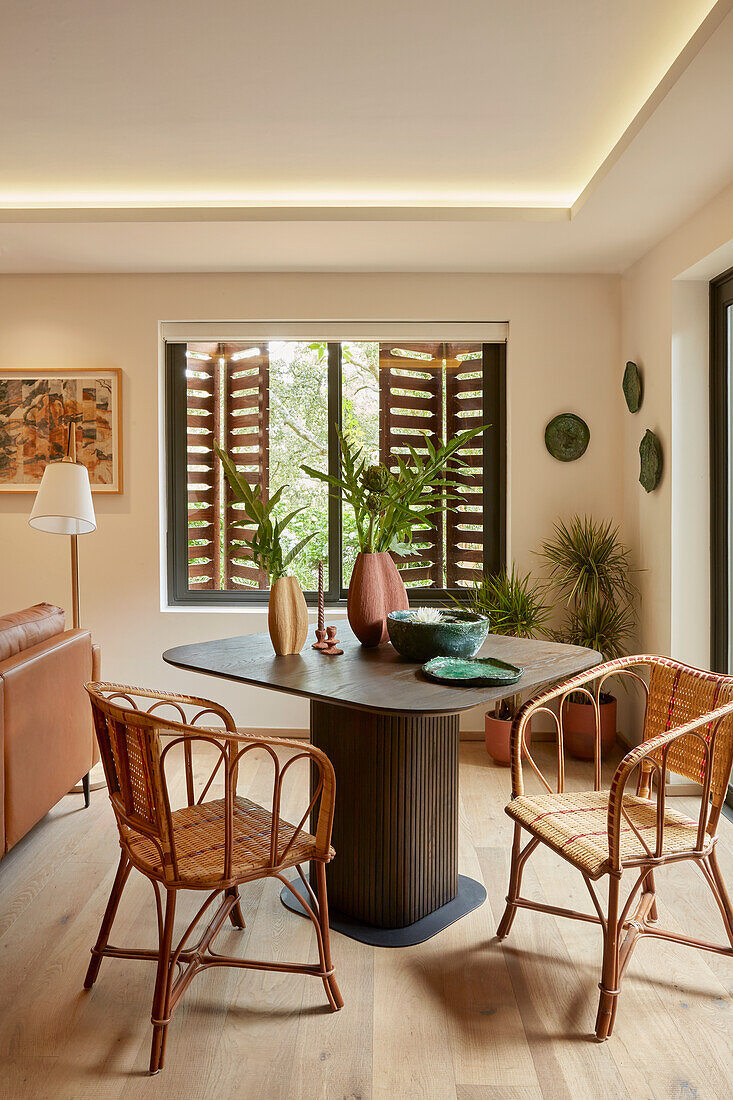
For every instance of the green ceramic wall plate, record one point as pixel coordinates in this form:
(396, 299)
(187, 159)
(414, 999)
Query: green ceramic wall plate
(633, 387)
(567, 437)
(476, 671)
(651, 461)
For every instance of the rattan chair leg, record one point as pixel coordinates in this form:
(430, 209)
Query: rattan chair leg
(722, 897)
(519, 859)
(651, 888)
(123, 870)
(610, 975)
(235, 915)
(161, 997)
(330, 984)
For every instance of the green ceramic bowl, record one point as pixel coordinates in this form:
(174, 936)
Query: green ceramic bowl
(462, 637)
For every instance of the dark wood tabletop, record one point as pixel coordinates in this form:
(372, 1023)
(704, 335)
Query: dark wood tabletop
(376, 679)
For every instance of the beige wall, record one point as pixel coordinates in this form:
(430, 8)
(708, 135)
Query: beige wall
(665, 330)
(564, 353)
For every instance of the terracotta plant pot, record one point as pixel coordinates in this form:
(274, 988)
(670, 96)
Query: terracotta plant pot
(376, 589)
(287, 616)
(579, 727)
(497, 733)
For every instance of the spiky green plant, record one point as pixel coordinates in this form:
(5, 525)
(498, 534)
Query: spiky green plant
(590, 571)
(266, 543)
(389, 504)
(516, 605)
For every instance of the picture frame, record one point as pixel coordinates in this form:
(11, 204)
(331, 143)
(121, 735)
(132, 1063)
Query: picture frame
(35, 409)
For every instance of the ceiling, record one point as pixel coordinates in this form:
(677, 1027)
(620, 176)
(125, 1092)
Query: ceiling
(397, 135)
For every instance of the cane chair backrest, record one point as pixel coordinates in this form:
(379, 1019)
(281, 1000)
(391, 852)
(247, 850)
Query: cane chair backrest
(132, 756)
(679, 694)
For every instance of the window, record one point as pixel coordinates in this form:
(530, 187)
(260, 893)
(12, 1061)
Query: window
(275, 404)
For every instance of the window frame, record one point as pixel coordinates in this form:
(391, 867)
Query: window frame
(721, 297)
(494, 484)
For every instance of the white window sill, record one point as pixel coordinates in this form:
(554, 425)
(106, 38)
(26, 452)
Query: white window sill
(338, 611)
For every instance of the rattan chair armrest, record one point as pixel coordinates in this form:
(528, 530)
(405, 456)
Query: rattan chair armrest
(125, 691)
(301, 747)
(636, 756)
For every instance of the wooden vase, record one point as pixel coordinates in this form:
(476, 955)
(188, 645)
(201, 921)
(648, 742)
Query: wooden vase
(287, 616)
(376, 589)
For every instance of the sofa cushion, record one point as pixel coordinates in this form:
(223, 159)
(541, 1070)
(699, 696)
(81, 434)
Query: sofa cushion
(23, 629)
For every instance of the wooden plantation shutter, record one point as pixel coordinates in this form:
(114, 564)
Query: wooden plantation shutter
(441, 395)
(227, 388)
(410, 404)
(464, 409)
(203, 484)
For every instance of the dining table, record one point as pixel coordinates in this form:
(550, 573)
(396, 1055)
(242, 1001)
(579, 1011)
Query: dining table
(392, 736)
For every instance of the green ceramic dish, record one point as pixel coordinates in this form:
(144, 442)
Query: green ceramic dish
(567, 437)
(478, 671)
(463, 637)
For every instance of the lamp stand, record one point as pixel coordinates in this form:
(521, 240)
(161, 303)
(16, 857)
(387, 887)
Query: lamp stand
(71, 457)
(75, 582)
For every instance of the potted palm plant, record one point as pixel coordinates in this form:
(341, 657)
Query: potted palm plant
(590, 572)
(389, 505)
(287, 616)
(516, 605)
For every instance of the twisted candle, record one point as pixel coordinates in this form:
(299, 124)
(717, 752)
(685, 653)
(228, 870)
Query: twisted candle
(321, 607)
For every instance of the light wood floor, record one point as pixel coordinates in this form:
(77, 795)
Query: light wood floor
(458, 1018)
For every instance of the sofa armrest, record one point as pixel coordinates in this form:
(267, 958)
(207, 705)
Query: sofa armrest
(47, 728)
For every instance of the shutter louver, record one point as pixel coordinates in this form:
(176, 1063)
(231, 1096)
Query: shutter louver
(226, 401)
(247, 441)
(410, 404)
(464, 409)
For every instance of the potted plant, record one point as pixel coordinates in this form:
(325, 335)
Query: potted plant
(287, 616)
(388, 506)
(590, 571)
(516, 605)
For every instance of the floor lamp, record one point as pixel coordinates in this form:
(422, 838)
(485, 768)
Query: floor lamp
(63, 506)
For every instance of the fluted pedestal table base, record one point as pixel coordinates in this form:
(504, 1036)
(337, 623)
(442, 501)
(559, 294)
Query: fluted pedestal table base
(394, 881)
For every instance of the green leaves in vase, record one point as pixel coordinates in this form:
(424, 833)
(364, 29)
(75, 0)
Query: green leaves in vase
(266, 543)
(389, 504)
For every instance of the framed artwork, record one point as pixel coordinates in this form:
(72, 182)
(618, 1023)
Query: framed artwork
(35, 408)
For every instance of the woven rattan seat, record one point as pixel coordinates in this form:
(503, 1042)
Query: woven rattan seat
(199, 839)
(688, 730)
(576, 826)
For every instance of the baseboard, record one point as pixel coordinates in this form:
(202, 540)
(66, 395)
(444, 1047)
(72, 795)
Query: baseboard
(298, 734)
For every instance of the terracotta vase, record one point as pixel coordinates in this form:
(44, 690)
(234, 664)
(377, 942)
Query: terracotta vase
(376, 589)
(579, 728)
(497, 733)
(287, 616)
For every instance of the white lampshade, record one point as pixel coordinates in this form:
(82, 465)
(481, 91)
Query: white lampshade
(63, 503)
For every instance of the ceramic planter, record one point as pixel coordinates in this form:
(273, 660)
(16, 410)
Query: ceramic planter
(376, 589)
(497, 734)
(287, 616)
(579, 728)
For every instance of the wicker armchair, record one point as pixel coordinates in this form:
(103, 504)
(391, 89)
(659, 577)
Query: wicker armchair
(212, 845)
(688, 729)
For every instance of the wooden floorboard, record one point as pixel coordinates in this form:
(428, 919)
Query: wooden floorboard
(461, 1017)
